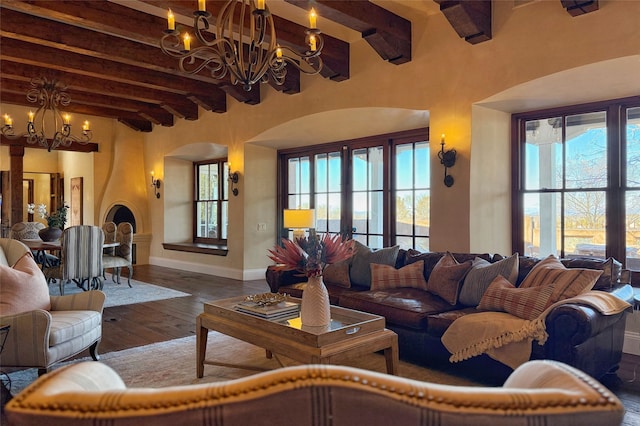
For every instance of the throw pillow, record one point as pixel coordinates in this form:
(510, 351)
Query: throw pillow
(385, 277)
(337, 274)
(360, 272)
(568, 282)
(526, 303)
(24, 287)
(447, 278)
(481, 275)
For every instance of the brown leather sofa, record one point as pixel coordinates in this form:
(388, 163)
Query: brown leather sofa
(578, 334)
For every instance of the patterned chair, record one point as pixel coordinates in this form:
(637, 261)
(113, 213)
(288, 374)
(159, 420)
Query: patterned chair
(122, 256)
(109, 229)
(81, 258)
(44, 329)
(29, 231)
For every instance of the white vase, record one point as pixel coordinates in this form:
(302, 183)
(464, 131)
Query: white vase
(315, 310)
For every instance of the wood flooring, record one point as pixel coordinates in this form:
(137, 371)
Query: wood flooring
(140, 324)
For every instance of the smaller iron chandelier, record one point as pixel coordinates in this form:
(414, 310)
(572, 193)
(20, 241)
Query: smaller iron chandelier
(48, 94)
(249, 56)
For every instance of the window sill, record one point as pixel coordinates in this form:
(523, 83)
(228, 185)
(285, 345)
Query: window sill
(212, 249)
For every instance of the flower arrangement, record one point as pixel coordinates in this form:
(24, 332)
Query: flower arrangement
(310, 255)
(54, 220)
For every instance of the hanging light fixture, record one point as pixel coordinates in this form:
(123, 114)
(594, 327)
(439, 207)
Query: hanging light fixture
(49, 95)
(250, 54)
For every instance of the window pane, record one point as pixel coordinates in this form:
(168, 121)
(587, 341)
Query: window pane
(213, 182)
(421, 244)
(632, 234)
(321, 167)
(422, 215)
(335, 212)
(405, 243)
(335, 172)
(376, 213)
(359, 219)
(225, 219)
(375, 242)
(360, 170)
(322, 212)
(376, 168)
(586, 151)
(541, 224)
(422, 165)
(203, 182)
(404, 166)
(212, 220)
(201, 220)
(404, 213)
(633, 147)
(584, 223)
(543, 154)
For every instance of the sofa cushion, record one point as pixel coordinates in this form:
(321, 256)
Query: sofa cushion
(432, 258)
(360, 272)
(447, 278)
(527, 303)
(23, 288)
(337, 274)
(408, 307)
(481, 275)
(385, 277)
(568, 282)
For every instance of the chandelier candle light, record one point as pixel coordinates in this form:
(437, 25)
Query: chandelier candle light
(309, 256)
(248, 56)
(49, 95)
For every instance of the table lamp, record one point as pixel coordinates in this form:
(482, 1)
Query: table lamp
(299, 220)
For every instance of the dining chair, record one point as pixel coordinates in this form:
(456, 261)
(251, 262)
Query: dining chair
(123, 255)
(109, 229)
(29, 231)
(81, 258)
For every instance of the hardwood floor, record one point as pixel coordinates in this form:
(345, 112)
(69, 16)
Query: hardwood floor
(145, 323)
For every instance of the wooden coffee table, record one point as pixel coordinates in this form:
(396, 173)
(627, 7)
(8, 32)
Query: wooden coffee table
(351, 334)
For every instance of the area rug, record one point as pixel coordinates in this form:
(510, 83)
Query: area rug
(174, 363)
(122, 294)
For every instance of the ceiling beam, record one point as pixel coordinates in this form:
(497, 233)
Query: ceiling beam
(470, 19)
(388, 33)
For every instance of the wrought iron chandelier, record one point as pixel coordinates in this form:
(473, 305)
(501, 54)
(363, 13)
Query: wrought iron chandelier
(49, 95)
(250, 54)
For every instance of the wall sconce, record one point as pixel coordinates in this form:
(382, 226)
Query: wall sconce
(448, 159)
(156, 185)
(233, 182)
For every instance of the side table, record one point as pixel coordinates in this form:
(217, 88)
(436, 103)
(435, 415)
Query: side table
(5, 380)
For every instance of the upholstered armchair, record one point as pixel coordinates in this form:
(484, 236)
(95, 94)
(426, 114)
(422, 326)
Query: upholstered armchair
(81, 258)
(537, 393)
(44, 329)
(122, 258)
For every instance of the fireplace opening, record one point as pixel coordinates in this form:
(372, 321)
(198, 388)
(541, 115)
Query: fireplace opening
(119, 214)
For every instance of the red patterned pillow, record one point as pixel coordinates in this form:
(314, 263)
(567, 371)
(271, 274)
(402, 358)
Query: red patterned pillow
(568, 282)
(447, 277)
(386, 277)
(337, 274)
(527, 303)
(24, 287)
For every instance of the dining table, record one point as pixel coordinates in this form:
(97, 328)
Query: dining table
(40, 247)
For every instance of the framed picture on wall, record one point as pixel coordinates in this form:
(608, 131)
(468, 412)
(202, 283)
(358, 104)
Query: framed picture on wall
(76, 201)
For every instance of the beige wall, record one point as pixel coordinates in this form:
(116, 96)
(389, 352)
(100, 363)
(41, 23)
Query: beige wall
(464, 91)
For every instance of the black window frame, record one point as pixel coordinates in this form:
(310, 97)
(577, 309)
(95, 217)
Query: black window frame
(223, 197)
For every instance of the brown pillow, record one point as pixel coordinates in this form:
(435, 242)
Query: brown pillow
(387, 277)
(447, 278)
(527, 303)
(24, 287)
(337, 274)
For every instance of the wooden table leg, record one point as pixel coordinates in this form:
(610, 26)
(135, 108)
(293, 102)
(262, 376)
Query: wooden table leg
(392, 356)
(201, 346)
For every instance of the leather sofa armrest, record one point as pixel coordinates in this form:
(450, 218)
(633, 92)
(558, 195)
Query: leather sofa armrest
(37, 325)
(86, 301)
(277, 279)
(572, 324)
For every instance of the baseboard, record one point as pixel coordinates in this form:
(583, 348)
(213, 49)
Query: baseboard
(631, 343)
(220, 271)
